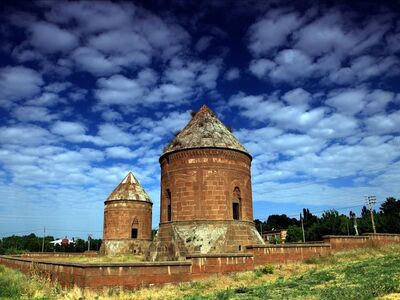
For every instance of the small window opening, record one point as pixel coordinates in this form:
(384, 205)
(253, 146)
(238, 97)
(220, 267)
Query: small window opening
(134, 229)
(235, 211)
(169, 210)
(236, 203)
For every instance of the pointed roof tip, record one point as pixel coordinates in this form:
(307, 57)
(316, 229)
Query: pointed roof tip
(205, 130)
(204, 107)
(130, 178)
(129, 189)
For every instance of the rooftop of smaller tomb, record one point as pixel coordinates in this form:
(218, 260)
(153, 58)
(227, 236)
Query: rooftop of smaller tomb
(205, 130)
(129, 189)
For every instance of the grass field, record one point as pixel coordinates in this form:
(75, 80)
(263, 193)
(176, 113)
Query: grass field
(360, 274)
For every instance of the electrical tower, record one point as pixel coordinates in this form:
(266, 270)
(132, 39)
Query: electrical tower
(371, 200)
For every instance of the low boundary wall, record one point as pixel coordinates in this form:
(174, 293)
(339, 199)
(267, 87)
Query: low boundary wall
(340, 242)
(273, 254)
(106, 275)
(135, 275)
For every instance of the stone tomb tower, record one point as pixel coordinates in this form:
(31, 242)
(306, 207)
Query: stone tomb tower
(206, 199)
(127, 219)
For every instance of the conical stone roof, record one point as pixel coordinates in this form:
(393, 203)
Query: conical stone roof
(129, 189)
(205, 130)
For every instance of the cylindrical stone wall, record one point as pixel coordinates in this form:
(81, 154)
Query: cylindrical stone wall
(121, 215)
(203, 184)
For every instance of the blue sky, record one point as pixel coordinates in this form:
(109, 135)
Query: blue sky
(92, 90)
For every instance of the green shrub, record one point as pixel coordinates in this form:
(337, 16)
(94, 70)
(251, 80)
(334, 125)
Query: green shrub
(265, 269)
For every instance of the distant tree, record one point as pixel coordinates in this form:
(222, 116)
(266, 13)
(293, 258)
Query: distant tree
(280, 222)
(308, 218)
(313, 233)
(389, 218)
(260, 225)
(80, 245)
(364, 212)
(294, 234)
(332, 223)
(391, 207)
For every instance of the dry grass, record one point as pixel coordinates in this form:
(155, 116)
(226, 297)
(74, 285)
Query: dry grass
(328, 277)
(99, 259)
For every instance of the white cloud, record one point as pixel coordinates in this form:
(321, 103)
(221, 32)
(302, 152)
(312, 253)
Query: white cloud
(120, 41)
(335, 47)
(292, 65)
(232, 74)
(68, 128)
(18, 82)
(260, 67)
(203, 43)
(325, 35)
(45, 99)
(269, 108)
(92, 61)
(347, 101)
(297, 96)
(120, 152)
(335, 126)
(33, 113)
(119, 90)
(378, 101)
(113, 135)
(382, 123)
(49, 38)
(25, 135)
(272, 31)
(92, 17)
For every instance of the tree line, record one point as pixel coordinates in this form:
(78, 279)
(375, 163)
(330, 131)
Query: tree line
(32, 243)
(387, 220)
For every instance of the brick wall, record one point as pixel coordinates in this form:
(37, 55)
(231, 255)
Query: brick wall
(209, 264)
(130, 276)
(202, 181)
(135, 275)
(286, 253)
(120, 215)
(340, 243)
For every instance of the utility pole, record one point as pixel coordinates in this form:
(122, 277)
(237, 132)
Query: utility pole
(354, 218)
(371, 200)
(89, 237)
(44, 234)
(302, 228)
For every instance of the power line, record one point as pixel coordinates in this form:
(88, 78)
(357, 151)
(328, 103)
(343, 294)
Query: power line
(337, 208)
(77, 230)
(26, 231)
(52, 229)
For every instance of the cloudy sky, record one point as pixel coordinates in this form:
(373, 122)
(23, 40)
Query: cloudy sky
(92, 90)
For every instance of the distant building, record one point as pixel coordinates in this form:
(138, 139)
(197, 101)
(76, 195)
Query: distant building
(275, 235)
(127, 219)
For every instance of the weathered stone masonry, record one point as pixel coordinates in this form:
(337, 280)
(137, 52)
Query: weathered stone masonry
(206, 197)
(127, 219)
